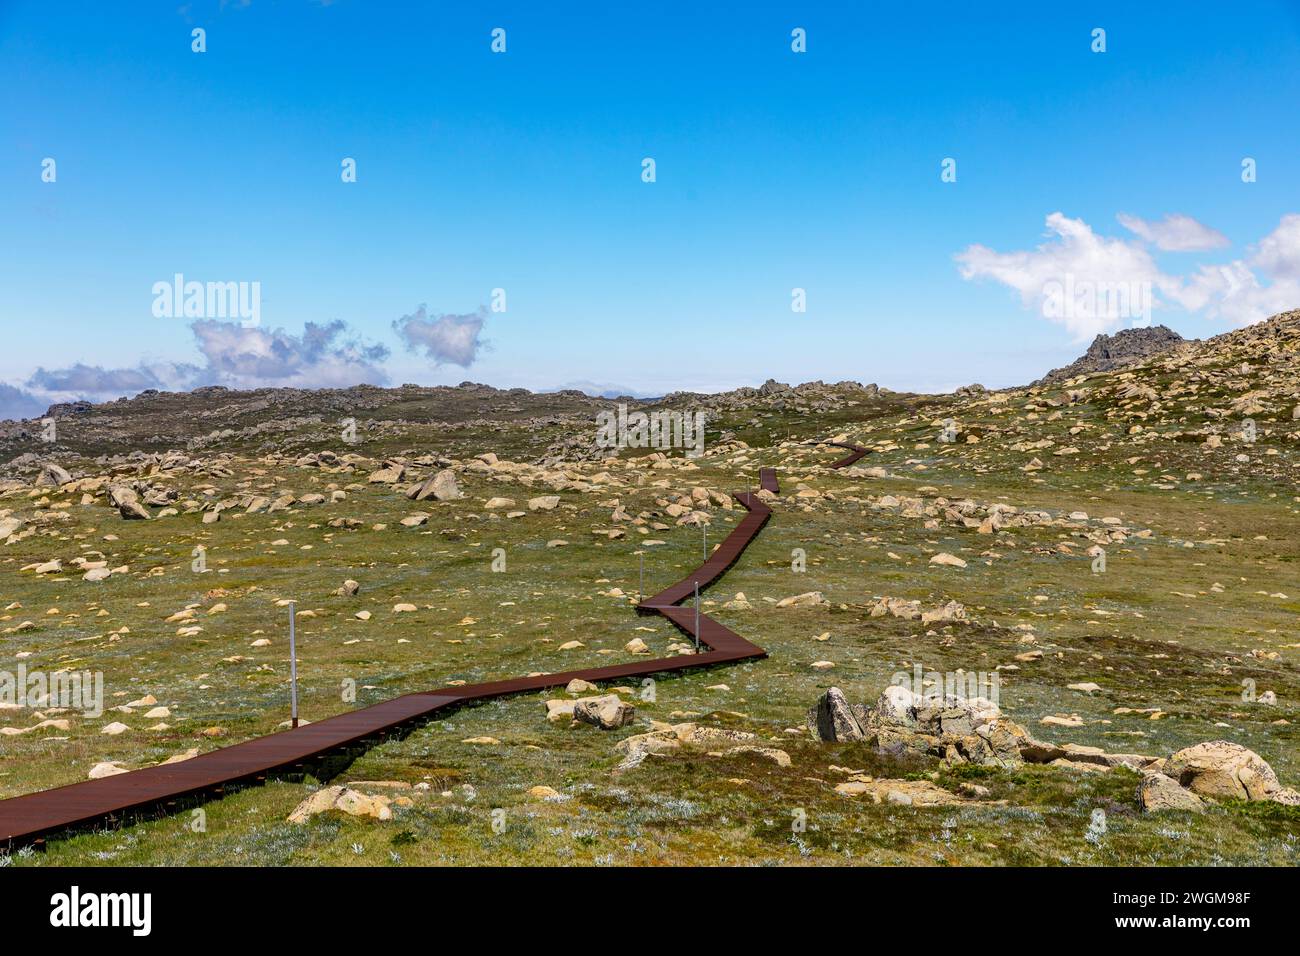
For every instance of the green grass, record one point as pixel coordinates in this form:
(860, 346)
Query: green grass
(1152, 631)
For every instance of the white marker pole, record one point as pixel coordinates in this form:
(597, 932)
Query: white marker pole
(640, 588)
(697, 617)
(293, 670)
(705, 529)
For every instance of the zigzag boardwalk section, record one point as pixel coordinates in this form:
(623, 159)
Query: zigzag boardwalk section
(28, 819)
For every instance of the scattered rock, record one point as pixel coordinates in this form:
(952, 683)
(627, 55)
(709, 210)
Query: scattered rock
(608, 712)
(1158, 792)
(344, 799)
(807, 599)
(441, 486)
(127, 502)
(558, 711)
(833, 719)
(908, 793)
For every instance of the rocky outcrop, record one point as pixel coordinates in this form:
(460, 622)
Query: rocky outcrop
(958, 730)
(1109, 352)
(974, 730)
(953, 728)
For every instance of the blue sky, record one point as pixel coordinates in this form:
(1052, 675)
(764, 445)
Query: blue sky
(522, 171)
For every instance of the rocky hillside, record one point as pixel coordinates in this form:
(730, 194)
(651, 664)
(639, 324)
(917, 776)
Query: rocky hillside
(1109, 352)
(1112, 553)
(1148, 373)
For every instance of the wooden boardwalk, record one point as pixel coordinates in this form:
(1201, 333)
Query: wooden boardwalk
(28, 819)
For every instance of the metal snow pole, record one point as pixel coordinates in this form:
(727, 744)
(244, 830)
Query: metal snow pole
(697, 617)
(293, 670)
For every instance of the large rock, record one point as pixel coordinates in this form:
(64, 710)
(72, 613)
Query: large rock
(52, 474)
(956, 729)
(832, 718)
(1222, 770)
(389, 474)
(441, 486)
(607, 712)
(1158, 792)
(127, 502)
(559, 710)
(639, 746)
(349, 801)
(106, 768)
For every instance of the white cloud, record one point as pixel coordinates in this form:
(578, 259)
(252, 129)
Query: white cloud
(1278, 253)
(443, 338)
(257, 358)
(1076, 259)
(323, 356)
(1095, 268)
(1236, 292)
(1174, 233)
(85, 381)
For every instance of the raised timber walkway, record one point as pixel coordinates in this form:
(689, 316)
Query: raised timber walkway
(27, 820)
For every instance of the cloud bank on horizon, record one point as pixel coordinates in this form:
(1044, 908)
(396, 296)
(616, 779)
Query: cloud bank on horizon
(323, 356)
(1238, 292)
